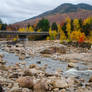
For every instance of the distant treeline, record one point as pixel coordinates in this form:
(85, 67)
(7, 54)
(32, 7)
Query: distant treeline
(70, 30)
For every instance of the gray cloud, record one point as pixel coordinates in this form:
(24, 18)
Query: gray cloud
(16, 10)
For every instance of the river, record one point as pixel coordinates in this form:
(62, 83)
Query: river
(80, 70)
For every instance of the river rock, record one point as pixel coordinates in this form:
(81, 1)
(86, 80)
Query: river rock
(38, 62)
(19, 45)
(90, 80)
(26, 90)
(3, 67)
(14, 75)
(15, 89)
(22, 57)
(34, 72)
(25, 82)
(2, 62)
(40, 86)
(62, 90)
(71, 65)
(56, 90)
(70, 81)
(52, 50)
(32, 66)
(1, 55)
(60, 83)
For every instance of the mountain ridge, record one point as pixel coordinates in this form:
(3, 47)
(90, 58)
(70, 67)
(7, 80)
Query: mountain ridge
(80, 10)
(73, 6)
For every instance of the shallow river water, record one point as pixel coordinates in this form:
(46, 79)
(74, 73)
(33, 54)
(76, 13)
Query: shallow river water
(80, 70)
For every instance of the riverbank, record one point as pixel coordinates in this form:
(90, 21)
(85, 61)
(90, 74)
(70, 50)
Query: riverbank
(58, 67)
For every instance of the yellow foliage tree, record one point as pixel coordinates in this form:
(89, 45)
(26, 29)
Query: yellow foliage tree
(68, 27)
(90, 37)
(52, 34)
(47, 38)
(31, 29)
(39, 30)
(76, 35)
(76, 24)
(87, 21)
(62, 34)
(59, 28)
(22, 30)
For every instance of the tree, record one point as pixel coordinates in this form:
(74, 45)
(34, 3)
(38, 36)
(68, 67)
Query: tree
(30, 29)
(62, 34)
(90, 37)
(87, 26)
(43, 24)
(68, 27)
(2, 25)
(1, 21)
(52, 34)
(76, 24)
(22, 30)
(64, 29)
(54, 26)
(77, 36)
(72, 27)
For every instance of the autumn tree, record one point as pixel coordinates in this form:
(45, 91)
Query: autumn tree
(21, 29)
(77, 36)
(52, 34)
(62, 34)
(87, 26)
(90, 37)
(68, 27)
(76, 24)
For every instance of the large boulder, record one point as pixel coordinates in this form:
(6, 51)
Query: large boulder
(54, 49)
(25, 82)
(33, 72)
(40, 86)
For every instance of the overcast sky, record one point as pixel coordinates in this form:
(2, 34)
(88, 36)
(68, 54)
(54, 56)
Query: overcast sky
(12, 11)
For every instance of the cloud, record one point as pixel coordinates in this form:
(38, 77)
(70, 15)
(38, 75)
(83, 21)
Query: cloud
(17, 10)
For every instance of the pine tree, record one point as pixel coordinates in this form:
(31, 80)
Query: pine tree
(54, 26)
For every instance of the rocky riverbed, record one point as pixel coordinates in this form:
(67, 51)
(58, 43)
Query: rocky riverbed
(45, 66)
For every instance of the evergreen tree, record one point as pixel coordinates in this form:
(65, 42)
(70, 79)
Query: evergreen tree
(64, 29)
(43, 24)
(54, 26)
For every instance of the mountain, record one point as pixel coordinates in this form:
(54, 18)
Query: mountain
(59, 14)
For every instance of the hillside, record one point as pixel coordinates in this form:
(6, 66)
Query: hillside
(59, 14)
